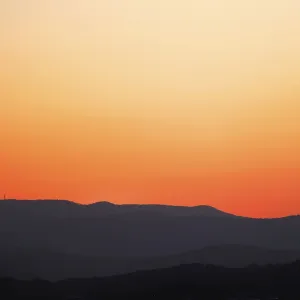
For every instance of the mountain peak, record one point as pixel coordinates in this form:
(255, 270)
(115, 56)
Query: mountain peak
(102, 203)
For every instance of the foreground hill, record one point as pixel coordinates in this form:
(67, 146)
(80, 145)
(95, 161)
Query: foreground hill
(183, 282)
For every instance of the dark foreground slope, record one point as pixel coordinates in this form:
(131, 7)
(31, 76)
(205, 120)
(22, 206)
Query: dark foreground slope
(184, 282)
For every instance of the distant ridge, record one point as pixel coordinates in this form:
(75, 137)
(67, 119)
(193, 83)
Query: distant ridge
(60, 208)
(104, 207)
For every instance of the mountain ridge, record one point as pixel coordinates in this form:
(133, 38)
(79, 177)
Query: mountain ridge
(113, 207)
(109, 207)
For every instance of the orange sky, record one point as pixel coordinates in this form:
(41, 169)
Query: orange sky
(164, 101)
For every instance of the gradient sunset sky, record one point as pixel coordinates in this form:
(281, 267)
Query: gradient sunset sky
(183, 102)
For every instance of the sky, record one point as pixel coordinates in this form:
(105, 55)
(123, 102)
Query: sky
(182, 102)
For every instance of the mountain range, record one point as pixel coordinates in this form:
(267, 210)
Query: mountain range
(61, 239)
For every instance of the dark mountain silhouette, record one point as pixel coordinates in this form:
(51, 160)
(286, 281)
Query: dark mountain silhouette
(58, 226)
(193, 281)
(103, 238)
